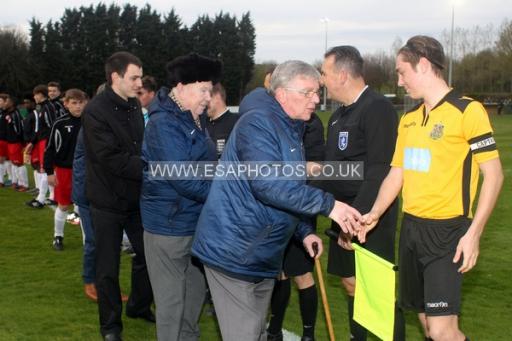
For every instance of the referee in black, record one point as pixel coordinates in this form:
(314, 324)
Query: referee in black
(363, 129)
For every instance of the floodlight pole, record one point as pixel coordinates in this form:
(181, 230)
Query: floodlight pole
(326, 22)
(450, 66)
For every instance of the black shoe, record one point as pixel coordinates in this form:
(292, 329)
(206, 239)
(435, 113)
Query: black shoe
(112, 337)
(275, 337)
(307, 338)
(58, 243)
(148, 316)
(50, 202)
(34, 204)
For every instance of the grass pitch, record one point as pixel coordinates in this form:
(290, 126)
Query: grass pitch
(42, 298)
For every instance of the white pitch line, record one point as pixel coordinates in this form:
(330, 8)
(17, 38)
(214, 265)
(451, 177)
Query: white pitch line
(289, 336)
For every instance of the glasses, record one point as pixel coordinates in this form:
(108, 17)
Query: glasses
(306, 93)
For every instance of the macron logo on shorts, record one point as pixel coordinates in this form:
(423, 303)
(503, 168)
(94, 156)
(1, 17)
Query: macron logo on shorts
(433, 305)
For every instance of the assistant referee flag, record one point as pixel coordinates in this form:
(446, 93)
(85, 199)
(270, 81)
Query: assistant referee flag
(374, 302)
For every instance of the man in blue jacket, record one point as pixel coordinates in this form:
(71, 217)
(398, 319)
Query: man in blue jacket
(176, 132)
(245, 224)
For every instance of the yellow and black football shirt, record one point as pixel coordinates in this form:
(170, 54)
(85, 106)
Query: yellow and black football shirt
(439, 154)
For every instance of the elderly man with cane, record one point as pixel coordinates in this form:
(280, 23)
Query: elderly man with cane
(246, 222)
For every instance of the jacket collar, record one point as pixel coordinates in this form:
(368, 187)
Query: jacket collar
(164, 103)
(119, 102)
(220, 117)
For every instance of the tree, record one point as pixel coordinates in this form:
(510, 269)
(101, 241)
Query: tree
(379, 71)
(176, 35)
(127, 28)
(100, 41)
(504, 49)
(73, 33)
(54, 56)
(14, 64)
(149, 36)
(230, 41)
(36, 49)
(258, 74)
(247, 39)
(73, 49)
(203, 37)
(228, 50)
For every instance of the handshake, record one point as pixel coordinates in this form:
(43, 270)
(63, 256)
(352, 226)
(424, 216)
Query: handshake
(352, 224)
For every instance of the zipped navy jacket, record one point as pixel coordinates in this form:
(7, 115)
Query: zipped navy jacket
(171, 207)
(245, 224)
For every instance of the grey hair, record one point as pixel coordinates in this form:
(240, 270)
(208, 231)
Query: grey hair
(288, 71)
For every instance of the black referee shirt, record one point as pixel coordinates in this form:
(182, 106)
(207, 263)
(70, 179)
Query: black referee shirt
(220, 128)
(362, 131)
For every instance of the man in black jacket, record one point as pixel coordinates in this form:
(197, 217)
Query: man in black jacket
(363, 129)
(221, 121)
(113, 130)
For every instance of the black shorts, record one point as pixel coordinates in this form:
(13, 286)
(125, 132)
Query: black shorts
(297, 260)
(381, 241)
(428, 279)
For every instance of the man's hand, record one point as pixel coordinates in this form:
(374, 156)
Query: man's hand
(28, 148)
(345, 241)
(368, 222)
(52, 180)
(313, 169)
(348, 218)
(468, 248)
(308, 244)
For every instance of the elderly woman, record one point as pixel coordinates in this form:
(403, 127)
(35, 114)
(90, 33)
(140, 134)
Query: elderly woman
(170, 207)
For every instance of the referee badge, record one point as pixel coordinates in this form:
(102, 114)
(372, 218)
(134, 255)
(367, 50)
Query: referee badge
(437, 131)
(343, 140)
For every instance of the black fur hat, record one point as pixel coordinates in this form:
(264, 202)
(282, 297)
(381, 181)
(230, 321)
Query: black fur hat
(193, 68)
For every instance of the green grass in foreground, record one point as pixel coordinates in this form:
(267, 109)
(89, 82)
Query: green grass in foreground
(42, 293)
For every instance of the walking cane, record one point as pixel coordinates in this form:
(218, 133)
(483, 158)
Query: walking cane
(323, 294)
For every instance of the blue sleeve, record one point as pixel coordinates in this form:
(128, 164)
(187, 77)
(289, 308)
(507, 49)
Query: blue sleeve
(257, 140)
(304, 228)
(78, 188)
(166, 141)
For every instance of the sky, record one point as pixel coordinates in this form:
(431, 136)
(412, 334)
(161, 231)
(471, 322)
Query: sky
(294, 29)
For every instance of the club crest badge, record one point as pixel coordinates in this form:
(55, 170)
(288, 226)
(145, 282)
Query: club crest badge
(437, 131)
(343, 140)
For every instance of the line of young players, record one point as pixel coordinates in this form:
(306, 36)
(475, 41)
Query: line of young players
(45, 137)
